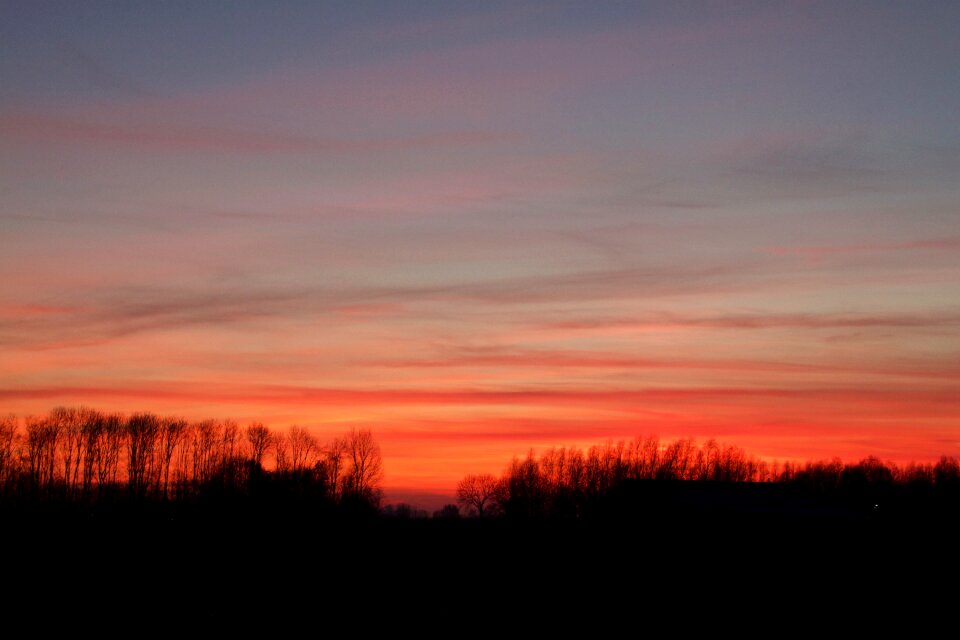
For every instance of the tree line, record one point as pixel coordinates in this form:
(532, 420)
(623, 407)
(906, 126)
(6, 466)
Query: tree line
(570, 482)
(84, 455)
(79, 455)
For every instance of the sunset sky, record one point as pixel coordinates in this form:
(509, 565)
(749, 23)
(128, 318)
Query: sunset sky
(478, 228)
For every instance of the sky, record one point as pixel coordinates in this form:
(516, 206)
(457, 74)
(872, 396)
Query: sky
(481, 228)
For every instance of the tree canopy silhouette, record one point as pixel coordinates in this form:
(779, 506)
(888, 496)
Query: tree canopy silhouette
(572, 483)
(476, 492)
(365, 471)
(86, 456)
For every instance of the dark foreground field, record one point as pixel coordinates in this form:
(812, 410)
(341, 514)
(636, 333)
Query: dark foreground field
(156, 566)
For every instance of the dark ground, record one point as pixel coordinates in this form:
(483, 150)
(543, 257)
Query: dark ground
(159, 567)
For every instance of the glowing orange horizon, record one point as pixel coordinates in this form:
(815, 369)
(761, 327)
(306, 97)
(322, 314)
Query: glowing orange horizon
(432, 438)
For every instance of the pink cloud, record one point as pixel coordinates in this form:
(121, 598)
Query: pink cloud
(668, 321)
(559, 397)
(26, 311)
(53, 129)
(581, 359)
(818, 252)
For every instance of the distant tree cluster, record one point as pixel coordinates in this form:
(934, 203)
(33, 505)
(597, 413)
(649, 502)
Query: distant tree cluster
(84, 455)
(571, 483)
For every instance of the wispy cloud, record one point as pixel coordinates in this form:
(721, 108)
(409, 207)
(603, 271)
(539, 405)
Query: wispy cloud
(53, 129)
(767, 321)
(817, 252)
(114, 313)
(112, 316)
(552, 359)
(920, 401)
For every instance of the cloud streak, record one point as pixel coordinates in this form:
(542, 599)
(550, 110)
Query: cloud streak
(944, 398)
(759, 321)
(567, 359)
(112, 313)
(158, 138)
(817, 252)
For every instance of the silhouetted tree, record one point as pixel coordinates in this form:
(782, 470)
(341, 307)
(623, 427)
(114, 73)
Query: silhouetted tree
(519, 493)
(110, 437)
(258, 436)
(366, 466)
(476, 492)
(447, 512)
(281, 453)
(303, 448)
(43, 435)
(333, 463)
(207, 439)
(142, 432)
(71, 444)
(172, 433)
(403, 511)
(9, 463)
(946, 473)
(79, 454)
(91, 433)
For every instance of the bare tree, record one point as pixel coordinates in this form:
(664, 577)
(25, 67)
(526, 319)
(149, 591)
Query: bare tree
(142, 430)
(43, 435)
(172, 432)
(183, 465)
(303, 448)
(476, 491)
(447, 512)
(8, 459)
(281, 452)
(207, 443)
(678, 459)
(258, 436)
(366, 465)
(230, 469)
(72, 443)
(110, 437)
(230, 437)
(333, 463)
